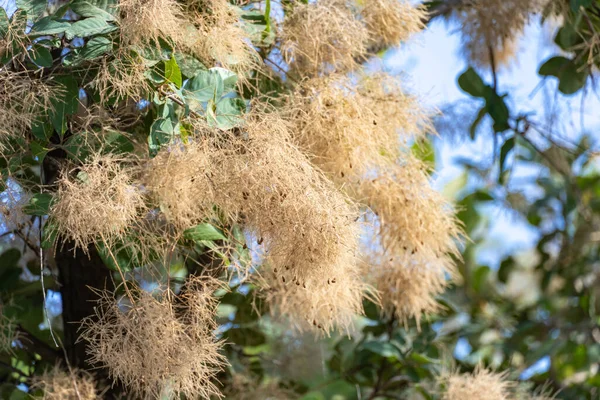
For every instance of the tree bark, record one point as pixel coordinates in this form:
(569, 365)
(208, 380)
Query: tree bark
(78, 274)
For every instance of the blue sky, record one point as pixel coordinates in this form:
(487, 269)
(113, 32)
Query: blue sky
(430, 65)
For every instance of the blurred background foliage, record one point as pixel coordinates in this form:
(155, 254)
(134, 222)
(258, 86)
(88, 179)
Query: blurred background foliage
(536, 314)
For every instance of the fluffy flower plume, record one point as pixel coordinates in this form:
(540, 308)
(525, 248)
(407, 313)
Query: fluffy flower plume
(350, 128)
(58, 384)
(121, 78)
(413, 217)
(359, 134)
(7, 332)
(223, 38)
(210, 29)
(144, 22)
(13, 38)
(245, 388)
(416, 237)
(159, 346)
(390, 22)
(408, 284)
(305, 229)
(481, 384)
(323, 36)
(493, 27)
(95, 201)
(314, 303)
(22, 101)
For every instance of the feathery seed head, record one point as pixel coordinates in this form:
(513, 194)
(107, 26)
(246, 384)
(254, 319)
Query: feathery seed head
(13, 39)
(322, 37)
(413, 217)
(351, 127)
(145, 22)
(391, 22)
(58, 384)
(481, 384)
(159, 346)
(245, 388)
(22, 101)
(491, 28)
(261, 180)
(408, 284)
(7, 332)
(179, 183)
(121, 78)
(305, 228)
(322, 304)
(222, 36)
(96, 201)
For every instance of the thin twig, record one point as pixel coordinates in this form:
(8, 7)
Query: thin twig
(286, 73)
(13, 369)
(129, 295)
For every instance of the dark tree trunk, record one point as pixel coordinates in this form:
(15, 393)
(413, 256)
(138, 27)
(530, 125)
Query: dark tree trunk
(78, 274)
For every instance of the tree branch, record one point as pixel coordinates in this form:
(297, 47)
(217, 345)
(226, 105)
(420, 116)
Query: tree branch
(35, 345)
(13, 369)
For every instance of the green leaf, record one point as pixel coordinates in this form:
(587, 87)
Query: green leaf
(505, 269)
(66, 104)
(116, 259)
(483, 196)
(480, 278)
(89, 27)
(34, 8)
(156, 74)
(571, 76)
(577, 4)
(554, 66)
(422, 359)
(572, 81)
(110, 6)
(424, 151)
(38, 150)
(498, 110)
(117, 143)
(371, 310)
(204, 231)
(48, 26)
(4, 22)
(508, 145)
(245, 336)
(384, 349)
(226, 113)
(228, 78)
(205, 86)
(41, 56)
(18, 394)
(173, 73)
(161, 133)
(471, 83)
(39, 204)
(77, 147)
(49, 234)
(96, 47)
(188, 65)
(480, 115)
(88, 10)
(567, 37)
